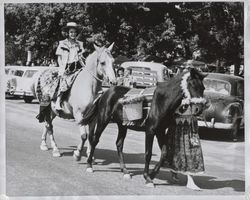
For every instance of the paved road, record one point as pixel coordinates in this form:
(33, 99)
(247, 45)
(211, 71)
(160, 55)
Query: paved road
(31, 172)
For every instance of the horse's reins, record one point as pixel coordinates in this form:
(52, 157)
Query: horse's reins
(98, 79)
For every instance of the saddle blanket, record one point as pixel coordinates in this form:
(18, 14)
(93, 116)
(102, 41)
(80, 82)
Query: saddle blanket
(47, 87)
(136, 95)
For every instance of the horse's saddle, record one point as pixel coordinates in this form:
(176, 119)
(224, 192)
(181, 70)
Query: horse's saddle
(47, 87)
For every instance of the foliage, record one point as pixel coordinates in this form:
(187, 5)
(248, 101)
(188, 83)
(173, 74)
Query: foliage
(163, 32)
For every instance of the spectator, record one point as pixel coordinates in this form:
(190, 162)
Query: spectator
(120, 76)
(128, 79)
(53, 63)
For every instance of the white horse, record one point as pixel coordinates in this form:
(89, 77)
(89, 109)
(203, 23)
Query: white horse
(99, 66)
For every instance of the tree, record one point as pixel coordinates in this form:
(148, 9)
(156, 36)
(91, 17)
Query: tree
(162, 32)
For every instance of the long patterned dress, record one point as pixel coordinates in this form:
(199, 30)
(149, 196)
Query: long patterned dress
(184, 153)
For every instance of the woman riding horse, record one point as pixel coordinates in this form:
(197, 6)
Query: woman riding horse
(69, 52)
(78, 103)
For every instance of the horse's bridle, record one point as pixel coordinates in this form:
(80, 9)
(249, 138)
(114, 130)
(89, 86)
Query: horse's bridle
(84, 67)
(187, 100)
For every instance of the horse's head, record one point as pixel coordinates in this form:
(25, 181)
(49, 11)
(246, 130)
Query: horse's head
(193, 89)
(105, 63)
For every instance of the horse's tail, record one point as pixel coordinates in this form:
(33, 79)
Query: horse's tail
(90, 113)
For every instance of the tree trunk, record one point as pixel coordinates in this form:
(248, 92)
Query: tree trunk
(237, 67)
(218, 66)
(29, 57)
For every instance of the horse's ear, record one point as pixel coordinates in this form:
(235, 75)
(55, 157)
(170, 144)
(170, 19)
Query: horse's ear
(111, 46)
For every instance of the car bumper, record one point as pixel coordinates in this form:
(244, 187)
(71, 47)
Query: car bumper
(18, 93)
(28, 94)
(217, 125)
(22, 94)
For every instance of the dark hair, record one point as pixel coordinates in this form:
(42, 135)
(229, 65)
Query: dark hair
(120, 69)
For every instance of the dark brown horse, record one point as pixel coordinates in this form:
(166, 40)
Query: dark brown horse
(186, 88)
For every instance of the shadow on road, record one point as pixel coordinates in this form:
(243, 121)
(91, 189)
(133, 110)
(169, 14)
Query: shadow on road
(108, 157)
(208, 182)
(204, 182)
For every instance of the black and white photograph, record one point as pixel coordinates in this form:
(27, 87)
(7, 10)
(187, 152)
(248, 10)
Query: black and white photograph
(124, 100)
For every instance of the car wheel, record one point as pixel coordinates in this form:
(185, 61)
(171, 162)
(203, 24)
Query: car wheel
(27, 99)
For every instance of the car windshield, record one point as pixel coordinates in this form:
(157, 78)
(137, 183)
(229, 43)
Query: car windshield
(29, 73)
(18, 72)
(218, 86)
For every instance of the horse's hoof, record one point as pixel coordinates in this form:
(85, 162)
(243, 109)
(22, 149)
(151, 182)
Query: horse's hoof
(89, 170)
(77, 156)
(150, 185)
(127, 176)
(44, 147)
(56, 153)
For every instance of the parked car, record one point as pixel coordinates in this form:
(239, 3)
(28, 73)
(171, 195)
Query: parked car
(146, 74)
(225, 94)
(11, 73)
(22, 88)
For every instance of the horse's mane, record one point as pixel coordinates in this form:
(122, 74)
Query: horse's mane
(172, 81)
(89, 58)
(179, 77)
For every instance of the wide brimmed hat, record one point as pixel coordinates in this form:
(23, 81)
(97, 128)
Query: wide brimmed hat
(71, 25)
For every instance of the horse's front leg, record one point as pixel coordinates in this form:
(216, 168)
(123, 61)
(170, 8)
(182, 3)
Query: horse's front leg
(84, 135)
(160, 163)
(122, 132)
(148, 154)
(95, 132)
(162, 139)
